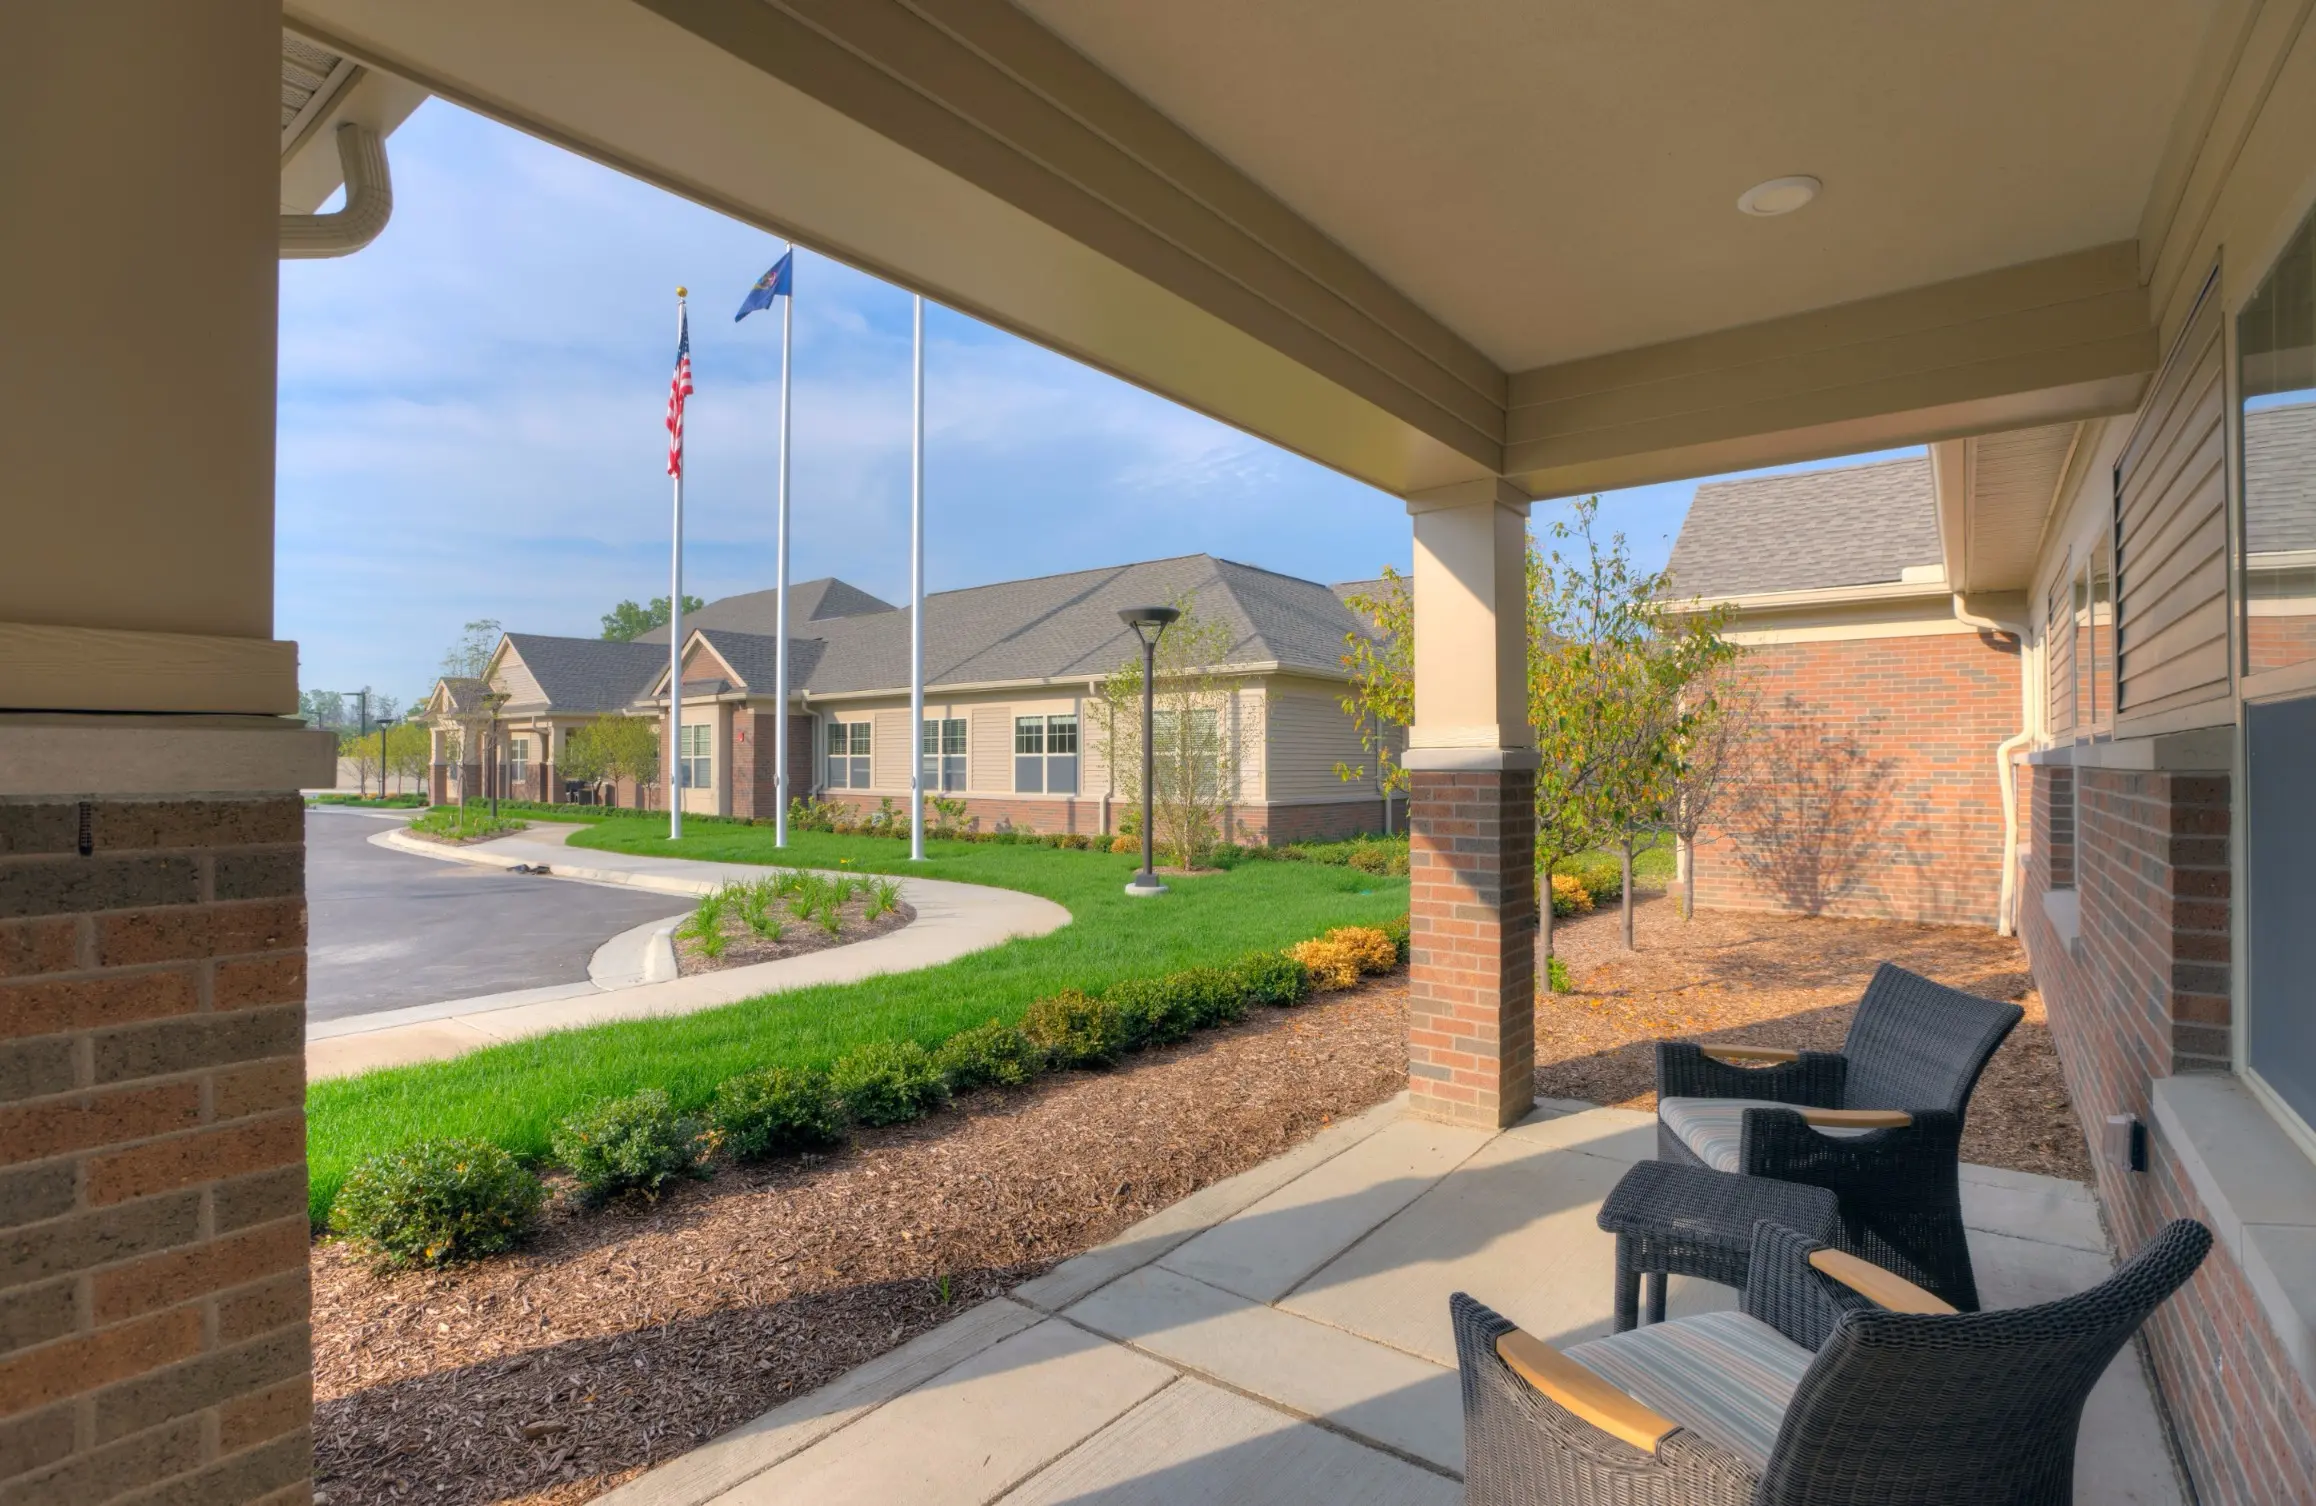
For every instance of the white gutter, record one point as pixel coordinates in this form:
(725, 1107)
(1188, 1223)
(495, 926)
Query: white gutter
(369, 202)
(2006, 773)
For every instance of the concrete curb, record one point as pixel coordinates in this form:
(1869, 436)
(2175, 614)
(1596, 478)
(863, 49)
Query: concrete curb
(633, 975)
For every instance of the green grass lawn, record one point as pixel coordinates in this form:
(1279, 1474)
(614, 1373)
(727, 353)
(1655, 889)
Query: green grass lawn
(514, 1094)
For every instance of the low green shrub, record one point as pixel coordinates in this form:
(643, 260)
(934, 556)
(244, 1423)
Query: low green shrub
(1272, 978)
(1555, 975)
(1213, 995)
(887, 1082)
(988, 1056)
(776, 1112)
(1396, 930)
(1156, 1012)
(437, 1201)
(449, 823)
(1074, 1029)
(634, 1144)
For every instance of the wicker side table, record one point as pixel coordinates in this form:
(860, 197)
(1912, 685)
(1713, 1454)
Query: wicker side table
(1671, 1220)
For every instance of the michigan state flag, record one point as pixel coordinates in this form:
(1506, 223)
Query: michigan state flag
(781, 279)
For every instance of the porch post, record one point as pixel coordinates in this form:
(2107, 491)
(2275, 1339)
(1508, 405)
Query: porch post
(1471, 758)
(153, 1217)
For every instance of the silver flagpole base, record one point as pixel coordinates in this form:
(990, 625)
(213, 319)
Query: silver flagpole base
(1145, 885)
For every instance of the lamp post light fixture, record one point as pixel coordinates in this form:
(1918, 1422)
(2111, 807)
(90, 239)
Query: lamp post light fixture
(1149, 625)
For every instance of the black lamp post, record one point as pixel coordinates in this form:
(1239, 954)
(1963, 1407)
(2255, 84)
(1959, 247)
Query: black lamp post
(385, 723)
(1149, 625)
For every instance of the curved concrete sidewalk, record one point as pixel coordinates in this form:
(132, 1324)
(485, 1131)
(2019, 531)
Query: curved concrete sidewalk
(952, 921)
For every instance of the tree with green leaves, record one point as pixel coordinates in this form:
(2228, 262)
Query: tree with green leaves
(1381, 697)
(409, 749)
(627, 622)
(1196, 756)
(471, 654)
(1716, 759)
(611, 748)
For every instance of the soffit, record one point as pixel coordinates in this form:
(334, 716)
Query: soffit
(2010, 484)
(1556, 178)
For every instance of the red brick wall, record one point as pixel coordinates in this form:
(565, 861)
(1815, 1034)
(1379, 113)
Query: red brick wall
(2275, 641)
(1471, 991)
(753, 767)
(2144, 994)
(153, 1292)
(1877, 794)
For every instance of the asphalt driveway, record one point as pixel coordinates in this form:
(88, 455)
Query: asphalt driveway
(387, 929)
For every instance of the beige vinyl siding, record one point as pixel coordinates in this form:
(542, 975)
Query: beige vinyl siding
(516, 682)
(1094, 751)
(989, 750)
(2059, 654)
(1250, 715)
(2171, 550)
(1309, 735)
(889, 751)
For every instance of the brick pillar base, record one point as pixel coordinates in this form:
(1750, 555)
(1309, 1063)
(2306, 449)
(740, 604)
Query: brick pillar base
(153, 1297)
(1471, 995)
(438, 784)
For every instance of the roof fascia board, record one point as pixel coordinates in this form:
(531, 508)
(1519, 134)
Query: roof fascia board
(1775, 601)
(2068, 336)
(1950, 497)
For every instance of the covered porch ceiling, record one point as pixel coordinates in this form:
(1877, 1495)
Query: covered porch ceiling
(1431, 244)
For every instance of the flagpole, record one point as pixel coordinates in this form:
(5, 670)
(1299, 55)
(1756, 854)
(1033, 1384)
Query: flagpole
(675, 635)
(780, 629)
(917, 596)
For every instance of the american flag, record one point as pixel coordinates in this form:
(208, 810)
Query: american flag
(677, 390)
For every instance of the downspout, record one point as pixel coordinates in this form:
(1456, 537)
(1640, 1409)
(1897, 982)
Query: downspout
(2006, 773)
(369, 202)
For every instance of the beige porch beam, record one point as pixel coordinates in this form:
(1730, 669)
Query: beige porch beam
(2065, 338)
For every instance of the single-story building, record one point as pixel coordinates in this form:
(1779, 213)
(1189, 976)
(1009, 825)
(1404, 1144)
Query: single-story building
(1013, 708)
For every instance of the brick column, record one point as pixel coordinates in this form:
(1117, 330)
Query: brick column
(1471, 994)
(153, 1291)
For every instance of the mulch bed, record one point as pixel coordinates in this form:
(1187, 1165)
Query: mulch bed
(622, 1338)
(744, 948)
(1787, 980)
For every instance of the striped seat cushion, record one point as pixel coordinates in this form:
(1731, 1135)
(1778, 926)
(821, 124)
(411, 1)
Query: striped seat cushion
(1712, 1127)
(1723, 1376)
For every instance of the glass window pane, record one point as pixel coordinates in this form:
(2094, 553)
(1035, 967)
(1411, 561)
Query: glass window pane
(929, 739)
(1029, 734)
(2276, 354)
(1028, 774)
(952, 771)
(953, 736)
(1061, 734)
(1061, 774)
(860, 770)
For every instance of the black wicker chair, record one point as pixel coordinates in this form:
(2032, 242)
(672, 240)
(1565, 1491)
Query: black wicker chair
(1879, 1123)
(1814, 1395)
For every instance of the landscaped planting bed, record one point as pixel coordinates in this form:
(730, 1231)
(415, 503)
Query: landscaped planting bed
(622, 1336)
(787, 914)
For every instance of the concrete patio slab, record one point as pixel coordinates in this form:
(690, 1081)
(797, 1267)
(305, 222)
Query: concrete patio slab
(1158, 1383)
(972, 1432)
(1198, 1445)
(1404, 1403)
(1515, 1226)
(1267, 1250)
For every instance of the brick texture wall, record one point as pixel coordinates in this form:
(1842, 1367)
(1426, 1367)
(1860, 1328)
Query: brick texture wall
(754, 789)
(1876, 794)
(2143, 994)
(153, 1290)
(1242, 823)
(1471, 993)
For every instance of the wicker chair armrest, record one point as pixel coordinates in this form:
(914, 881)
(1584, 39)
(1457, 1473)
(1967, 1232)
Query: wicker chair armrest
(1856, 1118)
(1686, 1070)
(1885, 1289)
(1738, 1056)
(1783, 1143)
(1582, 1393)
(1784, 1290)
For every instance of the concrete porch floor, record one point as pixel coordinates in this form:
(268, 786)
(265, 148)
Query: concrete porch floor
(1283, 1336)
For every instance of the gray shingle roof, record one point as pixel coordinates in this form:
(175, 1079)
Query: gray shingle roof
(1857, 526)
(759, 611)
(2280, 479)
(1054, 627)
(589, 674)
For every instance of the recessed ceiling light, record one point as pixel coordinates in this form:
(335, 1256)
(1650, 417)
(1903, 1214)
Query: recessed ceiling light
(1778, 195)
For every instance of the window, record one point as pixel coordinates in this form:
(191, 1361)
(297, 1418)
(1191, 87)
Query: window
(2059, 650)
(848, 755)
(695, 766)
(518, 758)
(2276, 365)
(943, 752)
(1194, 736)
(1045, 754)
(2094, 646)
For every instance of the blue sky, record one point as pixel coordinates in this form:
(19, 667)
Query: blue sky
(471, 410)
